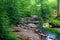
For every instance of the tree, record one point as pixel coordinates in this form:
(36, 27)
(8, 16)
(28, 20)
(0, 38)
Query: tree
(5, 27)
(47, 10)
(58, 9)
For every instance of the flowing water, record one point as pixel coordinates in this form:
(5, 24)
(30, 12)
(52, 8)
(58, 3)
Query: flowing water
(50, 36)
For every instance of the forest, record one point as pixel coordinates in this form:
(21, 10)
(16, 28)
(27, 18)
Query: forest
(29, 15)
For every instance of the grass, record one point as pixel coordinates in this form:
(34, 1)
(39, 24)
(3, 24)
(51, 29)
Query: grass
(54, 21)
(53, 31)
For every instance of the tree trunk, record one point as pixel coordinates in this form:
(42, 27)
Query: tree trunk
(58, 8)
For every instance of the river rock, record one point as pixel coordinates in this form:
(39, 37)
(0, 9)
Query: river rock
(50, 38)
(35, 22)
(31, 38)
(30, 22)
(32, 25)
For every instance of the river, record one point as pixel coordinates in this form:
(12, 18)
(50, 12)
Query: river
(50, 36)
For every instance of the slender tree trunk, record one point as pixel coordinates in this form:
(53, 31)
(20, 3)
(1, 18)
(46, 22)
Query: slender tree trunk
(41, 19)
(58, 8)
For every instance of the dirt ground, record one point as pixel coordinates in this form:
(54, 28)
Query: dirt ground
(27, 33)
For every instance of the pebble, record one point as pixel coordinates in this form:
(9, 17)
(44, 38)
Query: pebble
(25, 30)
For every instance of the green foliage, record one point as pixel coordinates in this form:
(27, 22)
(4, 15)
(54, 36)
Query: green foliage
(56, 22)
(48, 9)
(5, 26)
(11, 11)
(52, 30)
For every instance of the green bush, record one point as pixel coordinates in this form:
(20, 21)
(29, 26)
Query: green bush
(5, 25)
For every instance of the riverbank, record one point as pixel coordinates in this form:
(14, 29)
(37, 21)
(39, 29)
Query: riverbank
(26, 33)
(29, 26)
